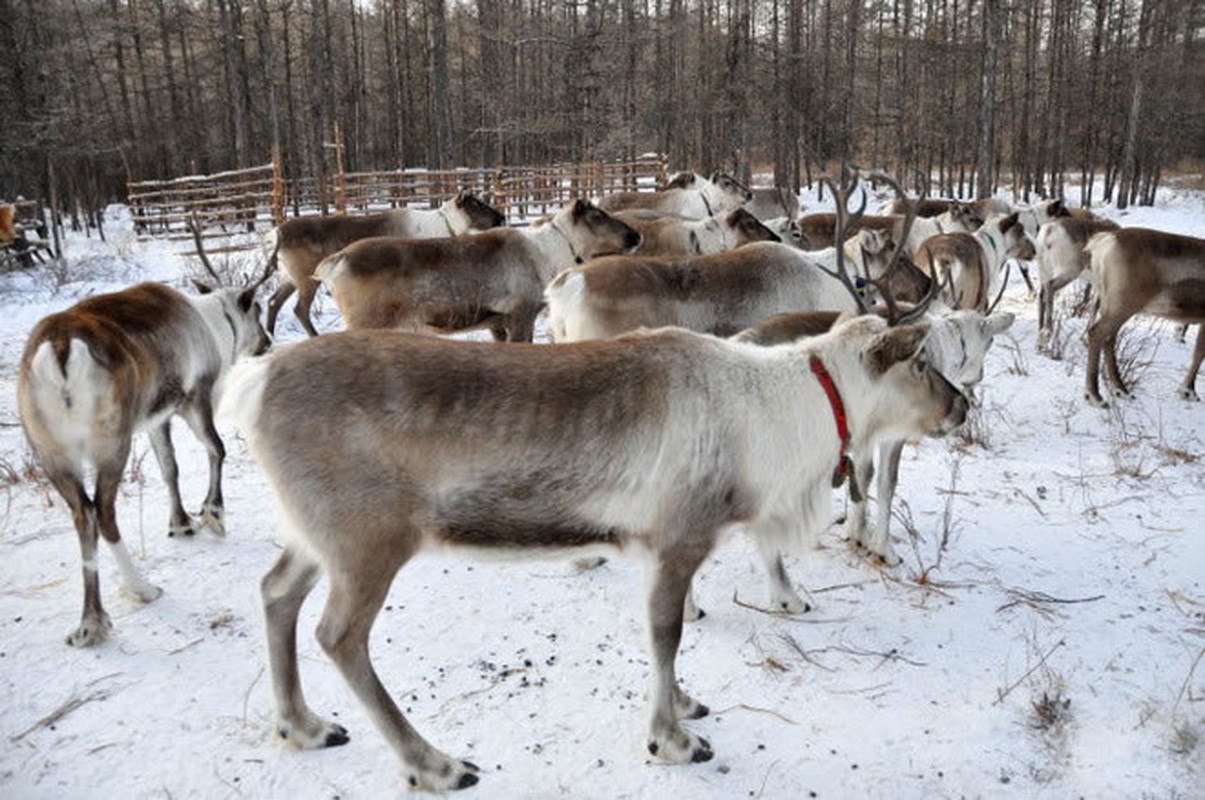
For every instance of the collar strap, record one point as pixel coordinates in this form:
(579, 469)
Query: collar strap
(844, 464)
(706, 203)
(991, 241)
(576, 258)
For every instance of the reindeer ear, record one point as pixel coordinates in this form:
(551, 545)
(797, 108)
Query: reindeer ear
(203, 288)
(999, 322)
(895, 345)
(1009, 222)
(246, 298)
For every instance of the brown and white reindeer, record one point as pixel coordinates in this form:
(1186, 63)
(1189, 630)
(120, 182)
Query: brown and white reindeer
(1061, 257)
(968, 263)
(494, 279)
(300, 243)
(672, 235)
(818, 230)
(93, 375)
(1142, 270)
(721, 294)
(687, 194)
(642, 443)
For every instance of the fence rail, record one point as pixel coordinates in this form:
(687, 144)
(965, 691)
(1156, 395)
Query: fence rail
(229, 205)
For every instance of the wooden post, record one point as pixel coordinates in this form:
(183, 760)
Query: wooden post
(340, 188)
(277, 200)
(500, 200)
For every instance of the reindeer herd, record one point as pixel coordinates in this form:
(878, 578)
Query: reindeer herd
(711, 371)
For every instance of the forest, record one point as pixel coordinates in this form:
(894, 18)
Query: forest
(973, 94)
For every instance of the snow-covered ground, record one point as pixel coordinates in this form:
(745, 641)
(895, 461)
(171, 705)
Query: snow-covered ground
(1053, 648)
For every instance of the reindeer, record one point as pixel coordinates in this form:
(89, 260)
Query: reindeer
(687, 194)
(956, 346)
(494, 279)
(1139, 269)
(970, 262)
(671, 235)
(928, 207)
(1061, 258)
(111, 365)
(642, 443)
(302, 242)
(818, 230)
(720, 294)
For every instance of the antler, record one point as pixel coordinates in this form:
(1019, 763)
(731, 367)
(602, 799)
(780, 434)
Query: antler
(894, 315)
(196, 237)
(1008, 268)
(269, 267)
(843, 219)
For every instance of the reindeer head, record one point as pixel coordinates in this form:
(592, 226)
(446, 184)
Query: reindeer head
(920, 401)
(593, 232)
(475, 214)
(748, 228)
(965, 215)
(732, 190)
(1016, 244)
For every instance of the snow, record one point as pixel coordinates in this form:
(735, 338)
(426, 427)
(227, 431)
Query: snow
(1052, 649)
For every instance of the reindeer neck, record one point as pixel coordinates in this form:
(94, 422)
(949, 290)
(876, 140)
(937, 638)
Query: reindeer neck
(993, 248)
(556, 250)
(217, 318)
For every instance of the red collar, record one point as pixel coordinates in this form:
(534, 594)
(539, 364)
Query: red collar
(834, 399)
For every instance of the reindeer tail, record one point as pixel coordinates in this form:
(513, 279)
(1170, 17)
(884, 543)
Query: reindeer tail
(67, 390)
(328, 269)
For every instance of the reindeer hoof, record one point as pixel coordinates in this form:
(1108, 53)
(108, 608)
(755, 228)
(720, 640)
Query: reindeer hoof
(451, 776)
(92, 631)
(142, 591)
(1095, 400)
(311, 732)
(1190, 395)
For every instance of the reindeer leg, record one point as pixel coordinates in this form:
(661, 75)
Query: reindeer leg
(690, 609)
(674, 568)
(284, 589)
(1096, 337)
(1188, 389)
(94, 623)
(199, 417)
(305, 299)
(357, 593)
(108, 480)
(1111, 369)
(856, 520)
(783, 597)
(165, 454)
(888, 479)
(1045, 308)
(282, 293)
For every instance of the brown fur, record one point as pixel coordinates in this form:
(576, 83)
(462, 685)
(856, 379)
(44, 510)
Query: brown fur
(93, 375)
(302, 243)
(670, 235)
(644, 442)
(1138, 269)
(494, 279)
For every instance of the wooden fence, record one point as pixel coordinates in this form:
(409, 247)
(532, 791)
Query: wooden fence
(230, 205)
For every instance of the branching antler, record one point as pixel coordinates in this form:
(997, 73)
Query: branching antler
(843, 219)
(895, 315)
